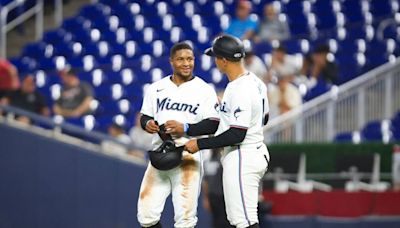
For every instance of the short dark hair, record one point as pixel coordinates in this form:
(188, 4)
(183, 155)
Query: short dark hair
(322, 48)
(70, 71)
(179, 46)
(281, 48)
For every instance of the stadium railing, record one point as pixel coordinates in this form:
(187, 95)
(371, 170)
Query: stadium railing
(372, 96)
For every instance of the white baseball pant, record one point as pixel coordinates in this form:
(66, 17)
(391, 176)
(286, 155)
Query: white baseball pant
(243, 168)
(184, 182)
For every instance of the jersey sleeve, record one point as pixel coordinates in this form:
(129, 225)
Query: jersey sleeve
(240, 111)
(210, 105)
(147, 105)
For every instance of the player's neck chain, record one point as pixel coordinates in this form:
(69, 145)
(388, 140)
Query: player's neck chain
(240, 75)
(243, 74)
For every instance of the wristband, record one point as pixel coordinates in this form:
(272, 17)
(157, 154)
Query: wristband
(147, 122)
(185, 127)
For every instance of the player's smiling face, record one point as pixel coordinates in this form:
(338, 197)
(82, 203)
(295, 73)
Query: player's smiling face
(183, 63)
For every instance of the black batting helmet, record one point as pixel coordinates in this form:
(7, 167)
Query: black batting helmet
(167, 156)
(228, 47)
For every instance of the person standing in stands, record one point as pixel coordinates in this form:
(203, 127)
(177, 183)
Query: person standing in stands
(75, 97)
(243, 26)
(9, 80)
(27, 98)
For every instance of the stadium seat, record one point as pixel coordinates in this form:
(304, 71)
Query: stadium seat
(125, 44)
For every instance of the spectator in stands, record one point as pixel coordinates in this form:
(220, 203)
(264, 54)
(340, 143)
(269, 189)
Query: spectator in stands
(320, 66)
(243, 26)
(117, 131)
(27, 98)
(140, 139)
(272, 27)
(253, 63)
(282, 65)
(283, 96)
(9, 80)
(75, 97)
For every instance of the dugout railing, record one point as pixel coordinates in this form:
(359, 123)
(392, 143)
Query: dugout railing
(345, 108)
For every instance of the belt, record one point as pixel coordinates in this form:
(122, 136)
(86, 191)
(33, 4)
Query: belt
(254, 146)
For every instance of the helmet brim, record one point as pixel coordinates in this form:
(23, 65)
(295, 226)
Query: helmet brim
(209, 51)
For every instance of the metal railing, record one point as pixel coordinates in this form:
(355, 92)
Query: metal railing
(372, 96)
(68, 133)
(36, 10)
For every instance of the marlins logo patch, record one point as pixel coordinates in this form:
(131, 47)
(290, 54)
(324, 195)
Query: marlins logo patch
(237, 112)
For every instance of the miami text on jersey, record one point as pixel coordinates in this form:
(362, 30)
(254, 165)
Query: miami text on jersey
(183, 107)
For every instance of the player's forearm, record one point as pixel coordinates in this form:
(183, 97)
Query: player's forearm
(204, 127)
(230, 137)
(144, 119)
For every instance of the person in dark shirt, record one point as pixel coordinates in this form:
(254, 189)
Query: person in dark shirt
(27, 98)
(319, 66)
(75, 97)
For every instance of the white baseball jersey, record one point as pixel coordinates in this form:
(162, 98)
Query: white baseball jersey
(244, 105)
(189, 102)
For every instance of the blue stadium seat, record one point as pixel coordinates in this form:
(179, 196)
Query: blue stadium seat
(262, 48)
(395, 126)
(373, 131)
(134, 37)
(34, 50)
(381, 8)
(24, 64)
(326, 19)
(352, 11)
(320, 88)
(298, 25)
(344, 137)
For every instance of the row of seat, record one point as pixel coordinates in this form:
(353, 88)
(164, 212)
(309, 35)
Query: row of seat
(122, 46)
(377, 130)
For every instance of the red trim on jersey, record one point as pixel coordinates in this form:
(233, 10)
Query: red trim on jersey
(240, 127)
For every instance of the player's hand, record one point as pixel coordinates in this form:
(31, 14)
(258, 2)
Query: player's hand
(191, 146)
(152, 127)
(174, 128)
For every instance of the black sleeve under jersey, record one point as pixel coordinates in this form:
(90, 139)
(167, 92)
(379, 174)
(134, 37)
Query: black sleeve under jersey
(143, 120)
(228, 138)
(204, 127)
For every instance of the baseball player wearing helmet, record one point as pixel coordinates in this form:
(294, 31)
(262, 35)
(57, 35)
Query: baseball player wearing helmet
(243, 113)
(184, 98)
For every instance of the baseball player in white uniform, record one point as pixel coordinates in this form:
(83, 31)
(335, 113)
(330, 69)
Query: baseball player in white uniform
(188, 99)
(243, 113)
